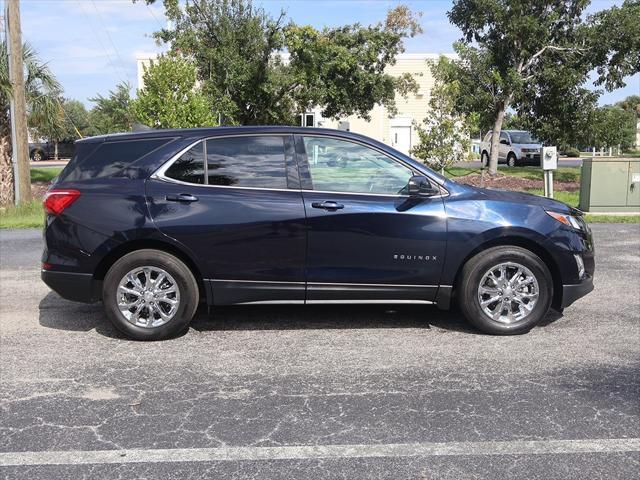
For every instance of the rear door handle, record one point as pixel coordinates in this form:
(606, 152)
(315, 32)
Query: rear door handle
(183, 197)
(329, 205)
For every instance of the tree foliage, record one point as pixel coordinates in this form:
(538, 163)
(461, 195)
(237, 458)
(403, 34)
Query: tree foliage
(111, 114)
(611, 126)
(238, 50)
(170, 97)
(614, 43)
(41, 90)
(444, 134)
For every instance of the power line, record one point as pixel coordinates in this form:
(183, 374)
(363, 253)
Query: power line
(123, 78)
(109, 37)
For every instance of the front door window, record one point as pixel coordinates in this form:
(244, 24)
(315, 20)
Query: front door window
(343, 166)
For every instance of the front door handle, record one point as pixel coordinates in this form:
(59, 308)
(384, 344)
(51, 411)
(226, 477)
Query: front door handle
(329, 205)
(183, 197)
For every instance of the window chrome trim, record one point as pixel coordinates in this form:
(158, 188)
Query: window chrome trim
(159, 174)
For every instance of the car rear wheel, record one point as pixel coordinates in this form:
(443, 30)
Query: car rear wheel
(511, 160)
(484, 159)
(36, 156)
(150, 295)
(505, 290)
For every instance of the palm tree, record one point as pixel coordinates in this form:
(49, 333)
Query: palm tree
(41, 90)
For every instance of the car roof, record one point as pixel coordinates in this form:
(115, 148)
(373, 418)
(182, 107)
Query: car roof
(219, 131)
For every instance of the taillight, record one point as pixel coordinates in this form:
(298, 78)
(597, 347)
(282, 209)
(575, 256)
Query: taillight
(55, 201)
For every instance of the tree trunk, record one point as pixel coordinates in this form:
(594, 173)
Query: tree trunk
(6, 167)
(55, 150)
(495, 141)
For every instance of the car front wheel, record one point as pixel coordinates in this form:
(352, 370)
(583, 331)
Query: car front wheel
(511, 161)
(36, 156)
(150, 295)
(505, 290)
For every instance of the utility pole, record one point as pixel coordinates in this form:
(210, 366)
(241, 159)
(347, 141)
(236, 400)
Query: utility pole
(19, 135)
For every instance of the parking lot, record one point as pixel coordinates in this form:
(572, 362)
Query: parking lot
(321, 391)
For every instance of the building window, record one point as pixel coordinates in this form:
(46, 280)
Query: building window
(307, 120)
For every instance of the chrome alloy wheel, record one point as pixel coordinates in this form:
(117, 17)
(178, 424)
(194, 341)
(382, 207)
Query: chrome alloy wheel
(508, 292)
(148, 297)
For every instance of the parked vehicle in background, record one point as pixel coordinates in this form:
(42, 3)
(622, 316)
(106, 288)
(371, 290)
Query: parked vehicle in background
(39, 151)
(153, 223)
(516, 148)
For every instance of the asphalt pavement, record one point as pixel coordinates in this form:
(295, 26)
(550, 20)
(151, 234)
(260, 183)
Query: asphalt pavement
(354, 392)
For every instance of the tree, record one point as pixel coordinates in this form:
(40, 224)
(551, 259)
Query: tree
(614, 43)
(515, 41)
(630, 104)
(444, 138)
(238, 49)
(41, 89)
(76, 122)
(611, 126)
(70, 122)
(170, 97)
(111, 113)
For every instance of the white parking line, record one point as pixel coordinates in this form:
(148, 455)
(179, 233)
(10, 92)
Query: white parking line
(309, 452)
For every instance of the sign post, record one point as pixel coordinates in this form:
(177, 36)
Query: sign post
(549, 163)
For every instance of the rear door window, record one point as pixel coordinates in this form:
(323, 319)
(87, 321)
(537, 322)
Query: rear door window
(251, 161)
(189, 167)
(256, 161)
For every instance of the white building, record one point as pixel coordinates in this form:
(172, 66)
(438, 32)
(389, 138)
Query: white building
(397, 130)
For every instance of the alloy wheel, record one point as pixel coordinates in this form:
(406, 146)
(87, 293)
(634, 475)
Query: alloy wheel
(508, 292)
(148, 297)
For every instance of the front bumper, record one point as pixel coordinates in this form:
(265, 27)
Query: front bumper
(530, 159)
(571, 293)
(78, 287)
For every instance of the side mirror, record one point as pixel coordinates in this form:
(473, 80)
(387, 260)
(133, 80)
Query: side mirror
(420, 185)
(504, 142)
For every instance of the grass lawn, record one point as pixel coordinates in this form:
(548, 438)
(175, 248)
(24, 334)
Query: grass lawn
(573, 198)
(29, 215)
(563, 174)
(44, 174)
(570, 198)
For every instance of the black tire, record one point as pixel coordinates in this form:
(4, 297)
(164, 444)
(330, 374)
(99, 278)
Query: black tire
(484, 159)
(37, 156)
(471, 277)
(188, 288)
(512, 161)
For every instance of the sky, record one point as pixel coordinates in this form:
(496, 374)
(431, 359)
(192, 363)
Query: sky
(91, 45)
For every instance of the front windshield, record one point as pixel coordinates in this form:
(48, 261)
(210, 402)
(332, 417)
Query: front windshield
(522, 137)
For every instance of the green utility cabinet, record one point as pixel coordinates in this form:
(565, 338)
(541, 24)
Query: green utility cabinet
(610, 185)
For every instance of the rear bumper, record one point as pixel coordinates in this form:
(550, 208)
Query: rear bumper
(78, 287)
(571, 293)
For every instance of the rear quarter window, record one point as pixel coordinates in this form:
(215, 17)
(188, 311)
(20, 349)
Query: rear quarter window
(108, 158)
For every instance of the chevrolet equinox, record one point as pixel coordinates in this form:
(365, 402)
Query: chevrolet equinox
(156, 222)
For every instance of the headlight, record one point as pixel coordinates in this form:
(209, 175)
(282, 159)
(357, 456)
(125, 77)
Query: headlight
(568, 220)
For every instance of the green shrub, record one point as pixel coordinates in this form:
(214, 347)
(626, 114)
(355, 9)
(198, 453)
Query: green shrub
(572, 152)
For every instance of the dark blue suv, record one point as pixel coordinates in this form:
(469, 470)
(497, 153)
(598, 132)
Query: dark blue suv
(154, 223)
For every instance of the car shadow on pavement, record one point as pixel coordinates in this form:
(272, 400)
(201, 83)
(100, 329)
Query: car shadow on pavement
(61, 314)
(343, 316)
